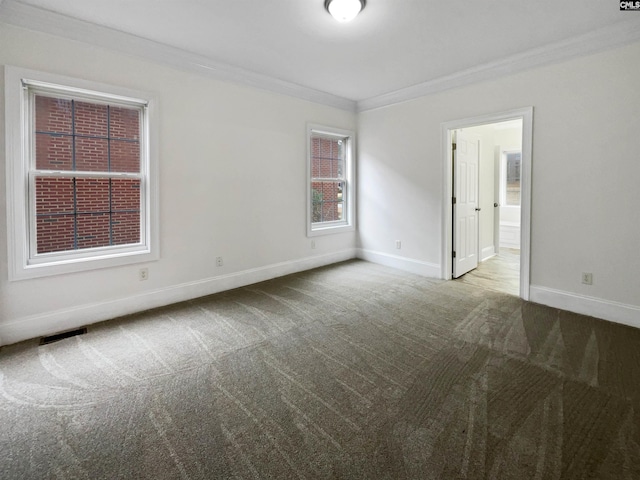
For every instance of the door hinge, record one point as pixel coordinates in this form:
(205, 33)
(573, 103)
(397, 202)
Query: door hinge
(453, 254)
(453, 200)
(454, 145)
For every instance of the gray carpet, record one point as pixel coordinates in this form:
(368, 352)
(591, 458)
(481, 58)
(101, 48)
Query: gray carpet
(350, 371)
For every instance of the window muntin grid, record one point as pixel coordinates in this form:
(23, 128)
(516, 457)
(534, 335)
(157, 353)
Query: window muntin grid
(86, 177)
(328, 180)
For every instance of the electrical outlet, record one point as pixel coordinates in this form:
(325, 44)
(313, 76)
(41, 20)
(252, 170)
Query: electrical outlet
(587, 278)
(313, 244)
(219, 261)
(398, 244)
(143, 274)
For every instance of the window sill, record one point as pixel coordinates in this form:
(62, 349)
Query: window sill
(329, 229)
(80, 264)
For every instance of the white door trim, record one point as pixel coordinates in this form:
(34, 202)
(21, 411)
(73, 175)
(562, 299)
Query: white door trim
(526, 114)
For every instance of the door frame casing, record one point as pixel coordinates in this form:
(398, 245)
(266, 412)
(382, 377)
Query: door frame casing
(447, 128)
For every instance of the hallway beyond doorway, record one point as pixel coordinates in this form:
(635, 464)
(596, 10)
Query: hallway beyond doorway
(449, 200)
(500, 272)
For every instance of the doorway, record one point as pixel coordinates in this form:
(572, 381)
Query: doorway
(510, 159)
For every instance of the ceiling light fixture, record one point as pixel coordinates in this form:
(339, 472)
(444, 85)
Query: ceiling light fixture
(344, 10)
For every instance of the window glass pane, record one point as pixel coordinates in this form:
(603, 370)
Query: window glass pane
(125, 156)
(92, 195)
(53, 115)
(327, 201)
(327, 158)
(54, 214)
(55, 233)
(93, 230)
(124, 123)
(74, 135)
(126, 195)
(54, 152)
(54, 195)
(316, 202)
(92, 154)
(90, 119)
(125, 228)
(339, 166)
(513, 179)
(332, 212)
(78, 213)
(315, 155)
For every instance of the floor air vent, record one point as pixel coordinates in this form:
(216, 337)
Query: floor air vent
(63, 335)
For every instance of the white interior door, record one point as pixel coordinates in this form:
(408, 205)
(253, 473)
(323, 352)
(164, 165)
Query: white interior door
(466, 160)
(496, 198)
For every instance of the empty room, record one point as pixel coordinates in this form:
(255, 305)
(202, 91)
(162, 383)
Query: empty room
(319, 239)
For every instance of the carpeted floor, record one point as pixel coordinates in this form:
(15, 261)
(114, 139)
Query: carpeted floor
(352, 371)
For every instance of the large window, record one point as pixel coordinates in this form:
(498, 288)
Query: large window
(330, 194)
(80, 177)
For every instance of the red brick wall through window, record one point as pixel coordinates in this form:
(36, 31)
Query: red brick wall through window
(75, 212)
(327, 162)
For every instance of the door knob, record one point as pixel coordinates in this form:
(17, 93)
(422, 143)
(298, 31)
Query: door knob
(478, 209)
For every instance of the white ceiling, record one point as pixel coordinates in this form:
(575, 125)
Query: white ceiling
(391, 45)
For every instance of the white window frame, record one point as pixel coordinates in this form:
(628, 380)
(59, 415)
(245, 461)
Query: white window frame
(20, 163)
(349, 196)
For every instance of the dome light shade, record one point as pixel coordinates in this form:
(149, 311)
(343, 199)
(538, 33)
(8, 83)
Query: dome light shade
(344, 10)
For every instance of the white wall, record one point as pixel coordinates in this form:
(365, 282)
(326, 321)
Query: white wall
(223, 149)
(233, 183)
(585, 177)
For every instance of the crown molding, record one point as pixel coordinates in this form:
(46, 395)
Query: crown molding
(33, 18)
(38, 19)
(612, 36)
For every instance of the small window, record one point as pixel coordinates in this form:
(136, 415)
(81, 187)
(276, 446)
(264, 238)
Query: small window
(331, 196)
(80, 169)
(511, 186)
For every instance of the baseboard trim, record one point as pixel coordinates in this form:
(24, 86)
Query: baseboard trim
(49, 323)
(406, 264)
(594, 307)
(487, 253)
(510, 235)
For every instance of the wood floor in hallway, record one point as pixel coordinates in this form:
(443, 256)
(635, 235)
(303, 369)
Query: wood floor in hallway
(500, 272)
